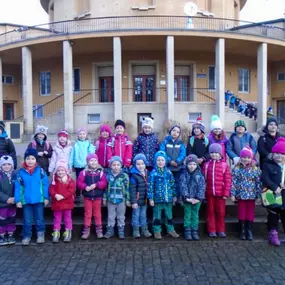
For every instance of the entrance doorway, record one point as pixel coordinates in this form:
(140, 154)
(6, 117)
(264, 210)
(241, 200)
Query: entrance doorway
(140, 118)
(8, 111)
(281, 111)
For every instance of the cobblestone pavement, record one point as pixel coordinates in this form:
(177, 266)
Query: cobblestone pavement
(131, 262)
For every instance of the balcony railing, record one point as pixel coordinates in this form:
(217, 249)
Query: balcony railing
(141, 23)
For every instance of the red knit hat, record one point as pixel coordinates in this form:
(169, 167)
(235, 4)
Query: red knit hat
(246, 152)
(279, 147)
(90, 156)
(63, 133)
(106, 128)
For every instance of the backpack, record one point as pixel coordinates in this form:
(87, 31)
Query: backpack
(192, 140)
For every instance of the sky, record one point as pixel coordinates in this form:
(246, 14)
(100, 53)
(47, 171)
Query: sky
(33, 14)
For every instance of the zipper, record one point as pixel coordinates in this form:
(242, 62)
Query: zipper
(213, 177)
(105, 150)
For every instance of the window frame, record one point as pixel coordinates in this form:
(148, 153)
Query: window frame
(46, 85)
(277, 78)
(110, 88)
(249, 79)
(91, 121)
(177, 77)
(73, 79)
(144, 89)
(209, 87)
(197, 114)
(4, 79)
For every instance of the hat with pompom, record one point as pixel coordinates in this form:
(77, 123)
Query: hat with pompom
(62, 164)
(6, 159)
(199, 124)
(216, 123)
(279, 147)
(106, 128)
(246, 152)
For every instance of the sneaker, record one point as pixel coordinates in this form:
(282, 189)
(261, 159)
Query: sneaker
(67, 236)
(55, 236)
(157, 235)
(85, 233)
(11, 239)
(3, 240)
(26, 241)
(109, 233)
(173, 234)
(212, 235)
(136, 232)
(221, 235)
(41, 237)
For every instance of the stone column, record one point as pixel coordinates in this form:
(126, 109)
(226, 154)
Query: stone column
(68, 86)
(170, 76)
(262, 84)
(27, 80)
(220, 79)
(117, 58)
(1, 91)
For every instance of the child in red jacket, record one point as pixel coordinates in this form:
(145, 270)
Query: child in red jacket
(62, 191)
(121, 145)
(218, 184)
(92, 181)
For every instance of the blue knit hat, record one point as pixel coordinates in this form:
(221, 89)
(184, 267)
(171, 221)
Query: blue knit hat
(139, 156)
(160, 153)
(31, 152)
(115, 158)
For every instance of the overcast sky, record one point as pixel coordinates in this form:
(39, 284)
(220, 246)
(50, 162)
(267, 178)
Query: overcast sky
(30, 12)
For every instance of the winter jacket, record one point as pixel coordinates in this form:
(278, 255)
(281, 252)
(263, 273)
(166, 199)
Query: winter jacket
(31, 188)
(67, 190)
(222, 141)
(218, 178)
(236, 144)
(43, 161)
(101, 151)
(246, 182)
(7, 147)
(7, 189)
(138, 187)
(161, 186)
(79, 152)
(199, 147)
(118, 188)
(175, 151)
(271, 176)
(148, 145)
(265, 144)
(88, 177)
(60, 153)
(121, 145)
(192, 185)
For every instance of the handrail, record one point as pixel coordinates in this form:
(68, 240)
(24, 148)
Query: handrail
(207, 96)
(82, 97)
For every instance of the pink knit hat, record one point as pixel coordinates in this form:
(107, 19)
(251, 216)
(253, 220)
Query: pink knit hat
(90, 156)
(246, 152)
(82, 130)
(105, 128)
(60, 163)
(279, 147)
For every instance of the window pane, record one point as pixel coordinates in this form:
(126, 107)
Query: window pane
(9, 79)
(76, 79)
(94, 118)
(184, 89)
(138, 89)
(149, 89)
(175, 89)
(212, 77)
(45, 83)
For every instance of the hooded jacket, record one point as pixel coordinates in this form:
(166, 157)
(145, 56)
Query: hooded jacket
(138, 187)
(101, 146)
(7, 147)
(7, 189)
(198, 146)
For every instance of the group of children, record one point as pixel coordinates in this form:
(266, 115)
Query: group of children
(116, 173)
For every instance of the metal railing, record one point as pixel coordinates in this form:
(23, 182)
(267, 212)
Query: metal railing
(141, 23)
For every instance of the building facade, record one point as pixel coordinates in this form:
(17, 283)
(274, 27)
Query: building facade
(98, 61)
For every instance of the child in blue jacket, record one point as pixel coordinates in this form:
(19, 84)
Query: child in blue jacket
(31, 194)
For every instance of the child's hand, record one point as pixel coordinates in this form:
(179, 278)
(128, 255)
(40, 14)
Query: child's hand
(173, 163)
(104, 202)
(46, 202)
(278, 190)
(200, 160)
(233, 198)
(189, 200)
(174, 200)
(93, 186)
(225, 198)
(195, 201)
(45, 152)
(128, 204)
(282, 186)
(10, 200)
(151, 203)
(58, 197)
(19, 205)
(135, 206)
(40, 153)
(88, 188)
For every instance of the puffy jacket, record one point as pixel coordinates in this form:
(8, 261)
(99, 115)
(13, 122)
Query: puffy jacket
(199, 147)
(222, 141)
(7, 189)
(148, 145)
(79, 152)
(31, 188)
(175, 151)
(138, 187)
(59, 153)
(121, 145)
(67, 190)
(88, 177)
(101, 146)
(218, 178)
(246, 182)
(192, 184)
(7, 147)
(271, 176)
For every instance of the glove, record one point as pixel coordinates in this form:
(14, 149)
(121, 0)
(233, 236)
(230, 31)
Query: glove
(236, 160)
(128, 204)
(151, 203)
(135, 206)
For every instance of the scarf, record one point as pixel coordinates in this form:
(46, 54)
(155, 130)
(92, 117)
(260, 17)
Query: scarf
(30, 169)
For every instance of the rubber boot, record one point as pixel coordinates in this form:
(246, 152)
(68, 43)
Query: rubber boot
(249, 235)
(242, 234)
(136, 232)
(85, 233)
(145, 231)
(195, 235)
(274, 238)
(67, 236)
(121, 232)
(99, 232)
(55, 236)
(187, 233)
(109, 233)
(40, 237)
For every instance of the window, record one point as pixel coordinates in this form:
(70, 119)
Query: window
(8, 79)
(38, 111)
(281, 76)
(45, 83)
(94, 119)
(76, 79)
(106, 85)
(192, 117)
(243, 80)
(212, 78)
(144, 88)
(181, 88)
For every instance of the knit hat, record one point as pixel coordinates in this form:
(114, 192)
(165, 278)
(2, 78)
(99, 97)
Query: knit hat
(160, 153)
(41, 130)
(80, 130)
(216, 123)
(115, 158)
(175, 126)
(90, 156)
(60, 163)
(2, 126)
(270, 111)
(120, 123)
(106, 128)
(271, 120)
(6, 159)
(191, 158)
(199, 124)
(63, 133)
(215, 148)
(246, 152)
(148, 122)
(139, 156)
(31, 152)
(279, 147)
(240, 123)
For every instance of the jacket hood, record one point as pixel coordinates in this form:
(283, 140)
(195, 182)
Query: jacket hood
(134, 170)
(264, 131)
(170, 139)
(99, 167)
(160, 153)
(68, 143)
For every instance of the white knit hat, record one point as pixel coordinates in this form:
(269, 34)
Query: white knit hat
(216, 123)
(41, 130)
(6, 159)
(147, 121)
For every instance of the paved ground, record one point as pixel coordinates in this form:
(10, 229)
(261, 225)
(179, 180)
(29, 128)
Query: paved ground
(130, 262)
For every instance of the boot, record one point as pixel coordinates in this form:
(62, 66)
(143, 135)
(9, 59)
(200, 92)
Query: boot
(11, 239)
(26, 241)
(136, 232)
(110, 232)
(242, 235)
(145, 231)
(249, 235)
(187, 233)
(157, 235)
(173, 234)
(67, 236)
(195, 235)
(41, 237)
(121, 232)
(85, 233)
(273, 238)
(55, 236)
(99, 232)
(3, 240)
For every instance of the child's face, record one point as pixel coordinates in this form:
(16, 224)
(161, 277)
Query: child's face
(120, 130)
(105, 135)
(215, 156)
(140, 165)
(240, 130)
(30, 161)
(62, 140)
(61, 172)
(197, 131)
(279, 158)
(160, 162)
(175, 133)
(272, 127)
(147, 130)
(93, 163)
(40, 136)
(6, 167)
(245, 160)
(116, 167)
(217, 131)
(82, 136)
(192, 166)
